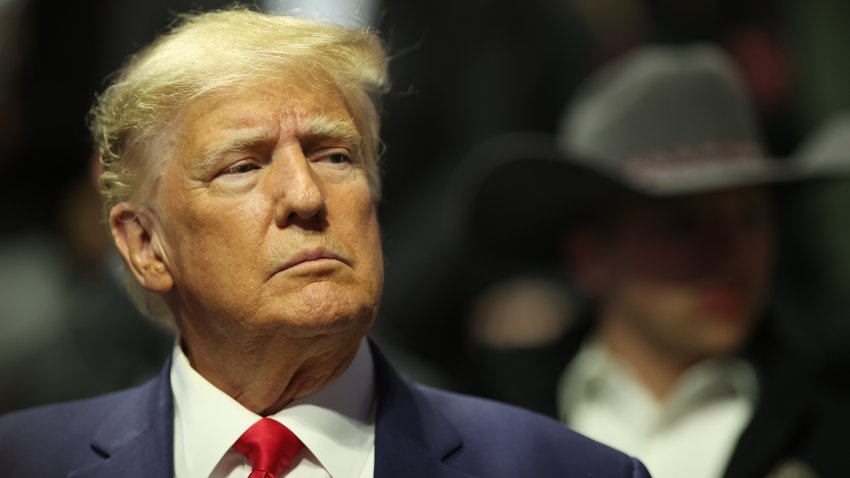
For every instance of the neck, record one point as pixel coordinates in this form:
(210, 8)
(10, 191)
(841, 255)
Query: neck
(266, 371)
(657, 368)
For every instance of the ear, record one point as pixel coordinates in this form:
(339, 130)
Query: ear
(139, 245)
(585, 250)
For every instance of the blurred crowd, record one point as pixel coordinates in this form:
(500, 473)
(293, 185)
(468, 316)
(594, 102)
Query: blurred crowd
(626, 214)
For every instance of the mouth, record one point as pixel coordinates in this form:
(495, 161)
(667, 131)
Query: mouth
(312, 255)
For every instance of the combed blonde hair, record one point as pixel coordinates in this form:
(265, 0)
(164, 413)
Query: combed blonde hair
(217, 53)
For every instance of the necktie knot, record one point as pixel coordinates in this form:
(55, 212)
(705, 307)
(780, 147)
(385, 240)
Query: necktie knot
(269, 446)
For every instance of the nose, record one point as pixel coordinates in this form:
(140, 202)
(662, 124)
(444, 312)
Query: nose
(296, 192)
(725, 246)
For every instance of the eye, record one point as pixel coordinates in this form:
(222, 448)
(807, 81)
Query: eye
(240, 168)
(338, 158)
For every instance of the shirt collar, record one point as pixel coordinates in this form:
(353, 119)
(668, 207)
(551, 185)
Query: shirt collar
(595, 370)
(336, 423)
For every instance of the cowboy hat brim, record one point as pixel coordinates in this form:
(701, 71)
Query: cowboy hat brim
(525, 192)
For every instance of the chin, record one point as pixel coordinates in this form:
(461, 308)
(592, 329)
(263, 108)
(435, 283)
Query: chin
(323, 314)
(724, 342)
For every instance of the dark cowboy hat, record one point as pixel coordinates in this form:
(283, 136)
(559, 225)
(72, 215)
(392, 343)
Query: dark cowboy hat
(660, 122)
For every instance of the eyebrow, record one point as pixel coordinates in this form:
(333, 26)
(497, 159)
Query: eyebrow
(245, 139)
(326, 126)
(237, 140)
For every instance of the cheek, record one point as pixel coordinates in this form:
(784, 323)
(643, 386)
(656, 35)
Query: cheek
(369, 238)
(216, 240)
(647, 280)
(362, 234)
(355, 214)
(659, 300)
(377, 254)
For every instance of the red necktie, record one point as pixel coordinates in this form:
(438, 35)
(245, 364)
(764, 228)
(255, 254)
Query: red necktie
(269, 446)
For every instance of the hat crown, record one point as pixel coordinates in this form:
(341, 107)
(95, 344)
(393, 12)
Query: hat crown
(660, 109)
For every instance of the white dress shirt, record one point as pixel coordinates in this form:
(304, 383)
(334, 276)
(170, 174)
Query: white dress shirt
(693, 433)
(336, 425)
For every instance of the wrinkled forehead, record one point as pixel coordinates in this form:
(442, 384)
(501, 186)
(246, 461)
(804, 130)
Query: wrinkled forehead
(265, 112)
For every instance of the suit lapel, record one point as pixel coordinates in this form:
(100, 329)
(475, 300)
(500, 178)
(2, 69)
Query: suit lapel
(136, 441)
(398, 455)
(412, 439)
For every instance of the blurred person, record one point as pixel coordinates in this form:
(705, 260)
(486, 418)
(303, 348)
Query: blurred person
(69, 330)
(660, 198)
(58, 293)
(240, 184)
(513, 337)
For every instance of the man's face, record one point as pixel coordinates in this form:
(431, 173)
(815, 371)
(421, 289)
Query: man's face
(688, 275)
(266, 217)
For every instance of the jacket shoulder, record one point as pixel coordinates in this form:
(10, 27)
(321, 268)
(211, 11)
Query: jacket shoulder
(63, 432)
(518, 442)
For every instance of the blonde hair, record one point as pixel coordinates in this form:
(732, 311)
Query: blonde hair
(217, 53)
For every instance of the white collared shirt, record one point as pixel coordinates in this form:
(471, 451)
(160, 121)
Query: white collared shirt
(693, 433)
(336, 425)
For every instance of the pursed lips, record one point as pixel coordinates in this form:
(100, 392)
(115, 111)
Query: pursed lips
(310, 255)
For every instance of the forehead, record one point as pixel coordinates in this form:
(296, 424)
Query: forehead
(267, 111)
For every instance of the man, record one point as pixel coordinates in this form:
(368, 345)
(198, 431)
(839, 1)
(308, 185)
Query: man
(660, 201)
(240, 184)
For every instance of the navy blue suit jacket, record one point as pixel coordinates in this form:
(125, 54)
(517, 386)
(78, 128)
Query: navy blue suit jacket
(419, 432)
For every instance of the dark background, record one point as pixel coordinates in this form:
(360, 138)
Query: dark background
(462, 71)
